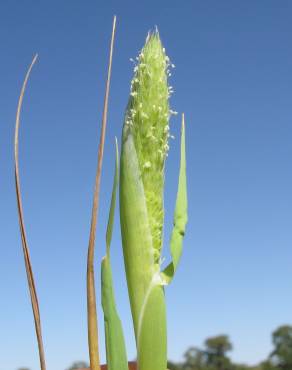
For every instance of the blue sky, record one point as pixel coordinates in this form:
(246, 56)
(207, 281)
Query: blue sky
(233, 80)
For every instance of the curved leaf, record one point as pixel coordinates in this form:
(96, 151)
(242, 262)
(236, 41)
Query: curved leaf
(180, 215)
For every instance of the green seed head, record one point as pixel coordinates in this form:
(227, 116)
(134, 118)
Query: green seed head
(147, 118)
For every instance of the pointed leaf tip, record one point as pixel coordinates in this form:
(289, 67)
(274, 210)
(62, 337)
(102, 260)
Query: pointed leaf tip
(180, 215)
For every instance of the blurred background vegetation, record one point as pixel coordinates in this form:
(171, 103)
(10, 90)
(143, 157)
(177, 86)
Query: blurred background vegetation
(215, 355)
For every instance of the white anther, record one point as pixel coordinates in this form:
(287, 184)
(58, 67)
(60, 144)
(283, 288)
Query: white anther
(147, 164)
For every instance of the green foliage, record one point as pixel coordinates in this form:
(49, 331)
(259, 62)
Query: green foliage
(282, 354)
(212, 357)
(218, 346)
(78, 365)
(115, 344)
(216, 349)
(174, 366)
(180, 215)
(267, 365)
(195, 358)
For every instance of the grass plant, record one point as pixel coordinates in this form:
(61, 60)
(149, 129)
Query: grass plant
(140, 179)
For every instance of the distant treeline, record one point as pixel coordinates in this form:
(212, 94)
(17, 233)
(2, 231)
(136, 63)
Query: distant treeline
(214, 354)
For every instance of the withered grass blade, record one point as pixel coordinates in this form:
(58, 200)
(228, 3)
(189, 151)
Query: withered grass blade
(28, 266)
(91, 296)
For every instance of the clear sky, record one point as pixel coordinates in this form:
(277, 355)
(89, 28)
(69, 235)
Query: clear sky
(233, 80)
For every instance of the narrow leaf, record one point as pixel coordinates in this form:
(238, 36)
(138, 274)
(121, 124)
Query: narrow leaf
(91, 296)
(180, 215)
(115, 344)
(109, 230)
(28, 266)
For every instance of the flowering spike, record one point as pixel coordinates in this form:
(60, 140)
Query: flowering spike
(149, 112)
(144, 150)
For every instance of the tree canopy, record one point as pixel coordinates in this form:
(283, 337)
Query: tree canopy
(78, 365)
(282, 354)
(214, 354)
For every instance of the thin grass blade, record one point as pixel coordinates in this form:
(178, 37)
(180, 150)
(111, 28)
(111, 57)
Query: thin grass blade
(28, 266)
(115, 344)
(91, 295)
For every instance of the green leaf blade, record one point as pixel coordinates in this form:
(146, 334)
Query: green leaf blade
(152, 338)
(114, 337)
(180, 215)
(115, 344)
(136, 235)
